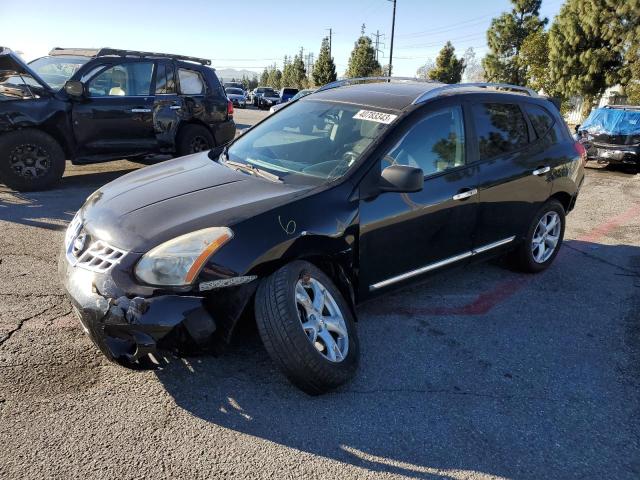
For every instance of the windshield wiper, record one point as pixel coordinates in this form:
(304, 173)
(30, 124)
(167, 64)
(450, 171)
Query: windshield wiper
(248, 168)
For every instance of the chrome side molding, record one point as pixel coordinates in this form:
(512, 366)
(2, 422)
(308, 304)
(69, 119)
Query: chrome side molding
(440, 264)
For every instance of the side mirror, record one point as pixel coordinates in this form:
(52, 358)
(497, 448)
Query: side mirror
(577, 129)
(74, 89)
(402, 178)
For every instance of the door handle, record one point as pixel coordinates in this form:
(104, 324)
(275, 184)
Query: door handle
(541, 171)
(466, 194)
(140, 110)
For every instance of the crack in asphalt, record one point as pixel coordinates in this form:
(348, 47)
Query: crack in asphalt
(22, 321)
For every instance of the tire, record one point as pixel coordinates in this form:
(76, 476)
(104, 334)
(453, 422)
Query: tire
(280, 316)
(30, 160)
(194, 139)
(527, 259)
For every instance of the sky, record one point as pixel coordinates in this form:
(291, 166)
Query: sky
(253, 34)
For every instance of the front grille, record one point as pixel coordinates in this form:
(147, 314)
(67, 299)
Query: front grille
(100, 257)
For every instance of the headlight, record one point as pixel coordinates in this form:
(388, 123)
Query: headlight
(178, 261)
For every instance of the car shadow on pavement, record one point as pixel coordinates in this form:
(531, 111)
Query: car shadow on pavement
(53, 209)
(530, 388)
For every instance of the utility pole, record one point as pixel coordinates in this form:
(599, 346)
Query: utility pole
(330, 38)
(393, 28)
(378, 35)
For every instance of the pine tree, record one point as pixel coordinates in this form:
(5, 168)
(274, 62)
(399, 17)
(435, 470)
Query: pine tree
(298, 72)
(362, 62)
(287, 73)
(448, 68)
(324, 70)
(587, 45)
(274, 77)
(534, 61)
(505, 37)
(264, 78)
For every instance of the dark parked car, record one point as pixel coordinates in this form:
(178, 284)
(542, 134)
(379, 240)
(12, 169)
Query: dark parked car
(300, 94)
(341, 196)
(268, 98)
(257, 93)
(287, 94)
(96, 105)
(234, 85)
(612, 134)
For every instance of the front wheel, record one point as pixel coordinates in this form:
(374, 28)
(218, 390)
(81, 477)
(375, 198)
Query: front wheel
(30, 160)
(307, 328)
(543, 241)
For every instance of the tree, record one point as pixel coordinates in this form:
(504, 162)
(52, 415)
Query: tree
(505, 37)
(362, 62)
(534, 62)
(448, 68)
(298, 72)
(324, 70)
(264, 78)
(423, 71)
(274, 77)
(473, 71)
(587, 48)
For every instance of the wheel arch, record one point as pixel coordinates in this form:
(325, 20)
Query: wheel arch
(194, 121)
(565, 199)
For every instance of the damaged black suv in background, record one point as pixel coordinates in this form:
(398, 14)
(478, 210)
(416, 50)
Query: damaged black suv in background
(334, 199)
(92, 106)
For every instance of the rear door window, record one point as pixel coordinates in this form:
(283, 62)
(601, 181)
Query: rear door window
(500, 128)
(165, 79)
(434, 144)
(191, 82)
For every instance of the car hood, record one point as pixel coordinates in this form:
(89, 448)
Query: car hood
(10, 62)
(154, 204)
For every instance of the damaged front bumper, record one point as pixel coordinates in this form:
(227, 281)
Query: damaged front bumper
(131, 331)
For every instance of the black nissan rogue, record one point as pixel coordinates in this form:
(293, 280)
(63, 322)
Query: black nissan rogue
(91, 106)
(339, 196)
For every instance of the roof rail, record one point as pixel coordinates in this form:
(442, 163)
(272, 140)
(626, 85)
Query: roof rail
(496, 86)
(351, 81)
(623, 107)
(103, 52)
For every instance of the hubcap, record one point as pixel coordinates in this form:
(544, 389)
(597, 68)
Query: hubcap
(199, 144)
(321, 319)
(546, 237)
(30, 161)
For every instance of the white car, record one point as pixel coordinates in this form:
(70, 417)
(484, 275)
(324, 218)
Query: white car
(237, 97)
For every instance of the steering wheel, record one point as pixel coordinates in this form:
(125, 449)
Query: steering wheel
(350, 157)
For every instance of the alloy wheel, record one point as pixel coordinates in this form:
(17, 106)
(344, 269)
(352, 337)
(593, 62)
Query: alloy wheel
(546, 237)
(199, 144)
(30, 161)
(321, 319)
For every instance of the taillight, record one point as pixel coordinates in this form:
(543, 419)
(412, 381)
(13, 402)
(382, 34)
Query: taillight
(229, 108)
(581, 151)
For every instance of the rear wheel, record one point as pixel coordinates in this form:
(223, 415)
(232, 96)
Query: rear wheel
(30, 160)
(543, 240)
(194, 139)
(307, 328)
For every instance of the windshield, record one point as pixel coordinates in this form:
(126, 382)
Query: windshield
(270, 93)
(289, 91)
(312, 138)
(234, 91)
(57, 70)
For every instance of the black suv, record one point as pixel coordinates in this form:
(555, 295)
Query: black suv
(96, 105)
(337, 197)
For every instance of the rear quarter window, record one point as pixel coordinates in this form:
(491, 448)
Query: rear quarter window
(543, 123)
(500, 128)
(191, 82)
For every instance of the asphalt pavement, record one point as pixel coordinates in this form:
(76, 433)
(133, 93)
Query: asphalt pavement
(475, 373)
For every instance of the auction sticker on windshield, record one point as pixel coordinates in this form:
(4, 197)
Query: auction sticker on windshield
(373, 116)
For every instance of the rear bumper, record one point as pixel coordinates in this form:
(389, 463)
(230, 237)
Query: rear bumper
(224, 132)
(126, 330)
